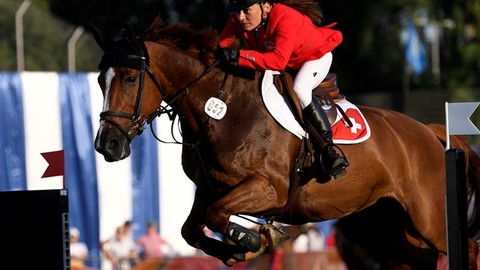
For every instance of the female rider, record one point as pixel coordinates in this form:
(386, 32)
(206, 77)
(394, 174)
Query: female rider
(281, 34)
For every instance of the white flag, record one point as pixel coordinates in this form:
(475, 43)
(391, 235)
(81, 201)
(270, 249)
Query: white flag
(458, 118)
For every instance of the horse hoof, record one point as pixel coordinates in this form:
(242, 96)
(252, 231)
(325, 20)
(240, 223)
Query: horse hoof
(273, 234)
(230, 262)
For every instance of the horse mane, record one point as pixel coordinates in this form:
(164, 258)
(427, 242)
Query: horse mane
(203, 42)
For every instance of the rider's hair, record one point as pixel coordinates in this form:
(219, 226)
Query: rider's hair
(309, 8)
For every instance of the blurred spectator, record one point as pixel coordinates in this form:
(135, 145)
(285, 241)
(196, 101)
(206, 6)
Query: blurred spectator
(328, 228)
(78, 250)
(151, 244)
(310, 239)
(127, 226)
(121, 251)
(332, 237)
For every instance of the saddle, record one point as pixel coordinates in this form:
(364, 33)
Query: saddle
(327, 93)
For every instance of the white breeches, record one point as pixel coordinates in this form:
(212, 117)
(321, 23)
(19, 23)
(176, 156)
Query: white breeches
(310, 75)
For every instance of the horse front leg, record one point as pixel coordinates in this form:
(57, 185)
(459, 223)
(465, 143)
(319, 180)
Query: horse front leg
(193, 231)
(254, 195)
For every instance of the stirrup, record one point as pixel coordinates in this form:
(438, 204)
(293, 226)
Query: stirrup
(337, 170)
(340, 170)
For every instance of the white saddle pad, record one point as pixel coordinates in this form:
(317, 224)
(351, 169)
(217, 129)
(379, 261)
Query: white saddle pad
(342, 133)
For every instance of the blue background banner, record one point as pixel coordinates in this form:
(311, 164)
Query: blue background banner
(415, 52)
(80, 170)
(44, 112)
(12, 137)
(145, 188)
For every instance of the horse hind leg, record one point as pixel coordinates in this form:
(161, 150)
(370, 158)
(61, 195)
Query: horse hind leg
(473, 257)
(381, 229)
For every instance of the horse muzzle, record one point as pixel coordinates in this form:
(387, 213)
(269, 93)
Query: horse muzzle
(114, 146)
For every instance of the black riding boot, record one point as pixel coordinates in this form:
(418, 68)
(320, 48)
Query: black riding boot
(319, 127)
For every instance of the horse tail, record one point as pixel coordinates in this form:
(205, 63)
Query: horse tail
(472, 158)
(472, 163)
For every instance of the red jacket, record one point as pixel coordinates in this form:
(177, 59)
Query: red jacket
(289, 38)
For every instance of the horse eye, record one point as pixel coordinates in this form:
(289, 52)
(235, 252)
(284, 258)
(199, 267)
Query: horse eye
(130, 79)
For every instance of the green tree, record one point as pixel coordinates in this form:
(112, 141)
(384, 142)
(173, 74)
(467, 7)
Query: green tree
(45, 40)
(371, 29)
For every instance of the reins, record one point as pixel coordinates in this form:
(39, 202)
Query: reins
(202, 133)
(172, 115)
(163, 109)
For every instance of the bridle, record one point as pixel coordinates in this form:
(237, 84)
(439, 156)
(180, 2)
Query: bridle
(139, 120)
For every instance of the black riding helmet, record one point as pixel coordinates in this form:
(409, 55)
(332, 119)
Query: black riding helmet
(238, 5)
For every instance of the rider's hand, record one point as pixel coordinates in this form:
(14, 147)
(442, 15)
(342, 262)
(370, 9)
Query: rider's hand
(229, 55)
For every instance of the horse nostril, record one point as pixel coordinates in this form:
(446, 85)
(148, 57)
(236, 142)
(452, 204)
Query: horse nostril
(112, 145)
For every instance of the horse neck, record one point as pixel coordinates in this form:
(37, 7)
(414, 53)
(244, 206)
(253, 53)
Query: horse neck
(179, 70)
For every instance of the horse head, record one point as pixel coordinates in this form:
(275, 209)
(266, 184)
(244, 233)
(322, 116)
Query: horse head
(122, 80)
(134, 85)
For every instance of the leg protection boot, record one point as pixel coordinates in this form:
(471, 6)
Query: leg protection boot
(244, 237)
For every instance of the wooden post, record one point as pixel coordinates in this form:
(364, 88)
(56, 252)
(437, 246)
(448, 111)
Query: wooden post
(456, 206)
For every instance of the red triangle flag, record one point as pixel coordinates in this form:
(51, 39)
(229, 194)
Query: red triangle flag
(56, 163)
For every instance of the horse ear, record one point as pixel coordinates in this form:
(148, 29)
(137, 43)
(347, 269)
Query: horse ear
(149, 33)
(102, 40)
(129, 34)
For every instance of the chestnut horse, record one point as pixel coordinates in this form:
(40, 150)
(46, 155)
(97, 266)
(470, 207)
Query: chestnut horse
(243, 162)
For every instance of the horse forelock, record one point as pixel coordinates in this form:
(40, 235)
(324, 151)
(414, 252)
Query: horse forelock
(119, 55)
